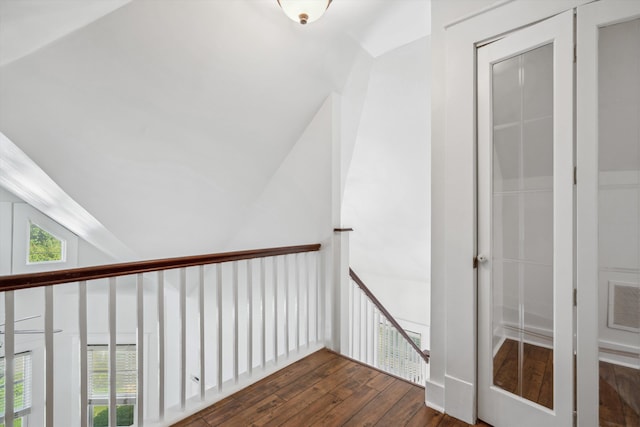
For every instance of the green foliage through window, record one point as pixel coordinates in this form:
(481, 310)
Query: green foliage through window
(124, 415)
(21, 387)
(43, 246)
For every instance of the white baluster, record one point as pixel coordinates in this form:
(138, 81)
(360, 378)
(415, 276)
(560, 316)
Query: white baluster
(112, 352)
(219, 323)
(161, 346)
(352, 319)
(234, 283)
(308, 295)
(263, 315)
(9, 351)
(202, 341)
(286, 305)
(296, 269)
(275, 308)
(140, 348)
(49, 353)
(183, 338)
(82, 330)
(249, 317)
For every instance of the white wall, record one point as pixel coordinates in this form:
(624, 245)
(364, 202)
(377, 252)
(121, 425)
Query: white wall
(386, 198)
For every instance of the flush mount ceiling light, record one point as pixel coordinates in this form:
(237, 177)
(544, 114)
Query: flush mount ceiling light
(304, 11)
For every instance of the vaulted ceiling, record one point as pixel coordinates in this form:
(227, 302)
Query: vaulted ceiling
(150, 105)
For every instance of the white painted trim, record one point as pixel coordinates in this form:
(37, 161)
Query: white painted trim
(434, 395)
(460, 398)
(479, 12)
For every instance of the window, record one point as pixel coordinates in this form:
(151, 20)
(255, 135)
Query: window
(21, 389)
(44, 246)
(126, 384)
(39, 243)
(392, 356)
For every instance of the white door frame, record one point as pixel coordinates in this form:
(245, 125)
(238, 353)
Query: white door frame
(494, 404)
(589, 19)
(462, 37)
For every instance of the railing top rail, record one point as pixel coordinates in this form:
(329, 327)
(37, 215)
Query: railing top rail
(385, 312)
(33, 280)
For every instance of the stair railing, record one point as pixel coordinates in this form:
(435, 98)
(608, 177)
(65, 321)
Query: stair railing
(377, 339)
(201, 327)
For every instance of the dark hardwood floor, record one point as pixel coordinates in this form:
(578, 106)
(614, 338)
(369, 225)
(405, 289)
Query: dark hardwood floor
(537, 372)
(619, 385)
(619, 395)
(324, 389)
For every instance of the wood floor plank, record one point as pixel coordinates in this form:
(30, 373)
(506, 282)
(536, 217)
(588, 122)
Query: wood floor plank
(360, 376)
(376, 408)
(312, 377)
(228, 407)
(533, 368)
(425, 417)
(448, 421)
(611, 409)
(404, 410)
(195, 422)
(545, 398)
(249, 413)
(628, 381)
(330, 391)
(347, 408)
(312, 413)
(506, 376)
(501, 355)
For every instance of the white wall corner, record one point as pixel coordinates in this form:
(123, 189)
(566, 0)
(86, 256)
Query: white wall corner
(460, 399)
(336, 160)
(434, 395)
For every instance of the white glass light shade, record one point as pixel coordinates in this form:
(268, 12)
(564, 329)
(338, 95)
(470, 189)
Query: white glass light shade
(304, 11)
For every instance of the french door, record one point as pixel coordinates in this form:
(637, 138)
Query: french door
(526, 226)
(608, 214)
(541, 222)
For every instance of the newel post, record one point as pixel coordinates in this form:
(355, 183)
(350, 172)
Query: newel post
(340, 291)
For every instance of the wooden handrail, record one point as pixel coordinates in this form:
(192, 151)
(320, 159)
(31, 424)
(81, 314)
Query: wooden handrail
(34, 280)
(390, 318)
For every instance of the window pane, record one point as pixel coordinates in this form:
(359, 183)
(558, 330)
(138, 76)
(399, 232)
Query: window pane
(44, 246)
(126, 371)
(124, 415)
(21, 383)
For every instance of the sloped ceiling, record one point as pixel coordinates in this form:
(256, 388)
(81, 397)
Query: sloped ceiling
(164, 118)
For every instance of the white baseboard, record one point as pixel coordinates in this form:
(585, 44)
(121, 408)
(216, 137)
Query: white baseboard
(460, 399)
(435, 395)
(619, 354)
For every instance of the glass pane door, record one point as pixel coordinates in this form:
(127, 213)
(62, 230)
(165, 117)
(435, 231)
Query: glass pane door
(525, 226)
(522, 241)
(609, 214)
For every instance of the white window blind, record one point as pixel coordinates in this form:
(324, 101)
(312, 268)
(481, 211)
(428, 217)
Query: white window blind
(392, 353)
(22, 380)
(126, 374)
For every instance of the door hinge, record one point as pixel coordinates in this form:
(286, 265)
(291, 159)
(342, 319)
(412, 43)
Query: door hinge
(575, 175)
(475, 262)
(575, 297)
(575, 54)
